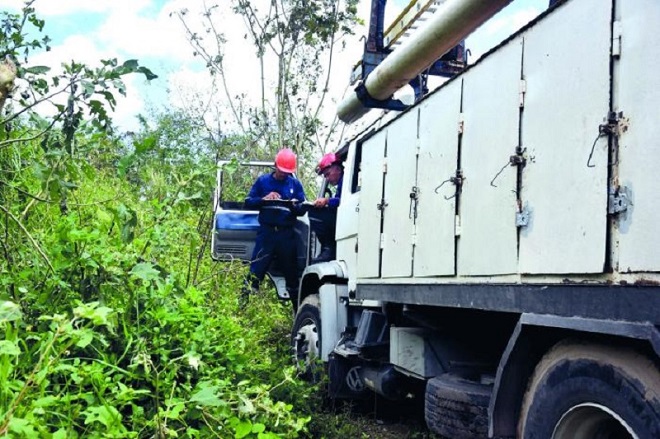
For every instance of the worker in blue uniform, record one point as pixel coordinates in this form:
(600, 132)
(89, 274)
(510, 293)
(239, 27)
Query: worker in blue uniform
(277, 195)
(323, 218)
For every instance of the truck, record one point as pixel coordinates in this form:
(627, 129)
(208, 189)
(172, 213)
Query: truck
(498, 241)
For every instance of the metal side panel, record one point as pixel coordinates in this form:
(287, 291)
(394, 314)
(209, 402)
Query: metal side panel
(399, 182)
(333, 316)
(439, 119)
(566, 68)
(369, 216)
(488, 244)
(637, 95)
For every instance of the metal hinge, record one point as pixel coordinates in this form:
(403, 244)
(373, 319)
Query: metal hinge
(384, 166)
(414, 198)
(461, 123)
(521, 92)
(617, 30)
(523, 216)
(382, 240)
(618, 200)
(457, 225)
(414, 238)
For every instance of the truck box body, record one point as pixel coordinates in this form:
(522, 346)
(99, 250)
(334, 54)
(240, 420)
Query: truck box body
(507, 174)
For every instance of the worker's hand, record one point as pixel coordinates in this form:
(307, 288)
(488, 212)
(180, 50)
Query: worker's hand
(272, 196)
(321, 202)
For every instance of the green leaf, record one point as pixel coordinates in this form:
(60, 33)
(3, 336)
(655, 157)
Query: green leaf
(243, 429)
(175, 410)
(103, 216)
(46, 401)
(247, 406)
(258, 428)
(207, 397)
(145, 271)
(89, 88)
(22, 426)
(9, 312)
(128, 220)
(97, 314)
(108, 416)
(124, 165)
(183, 197)
(147, 73)
(131, 64)
(60, 434)
(147, 144)
(86, 337)
(37, 70)
(9, 348)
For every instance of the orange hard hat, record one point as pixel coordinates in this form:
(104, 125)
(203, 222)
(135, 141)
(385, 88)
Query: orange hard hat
(326, 161)
(285, 161)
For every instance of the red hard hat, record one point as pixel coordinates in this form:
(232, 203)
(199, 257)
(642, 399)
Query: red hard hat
(326, 161)
(285, 161)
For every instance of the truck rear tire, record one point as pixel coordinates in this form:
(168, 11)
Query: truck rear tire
(306, 338)
(457, 408)
(582, 390)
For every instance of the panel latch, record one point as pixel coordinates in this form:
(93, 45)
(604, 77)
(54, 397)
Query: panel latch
(618, 200)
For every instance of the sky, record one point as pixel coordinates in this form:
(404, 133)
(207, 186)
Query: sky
(87, 31)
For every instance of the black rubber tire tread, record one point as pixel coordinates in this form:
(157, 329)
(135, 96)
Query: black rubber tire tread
(310, 308)
(456, 408)
(578, 372)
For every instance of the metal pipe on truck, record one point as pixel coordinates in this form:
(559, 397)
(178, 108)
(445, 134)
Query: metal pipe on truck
(454, 21)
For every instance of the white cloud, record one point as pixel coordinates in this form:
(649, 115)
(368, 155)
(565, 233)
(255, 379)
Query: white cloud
(48, 8)
(11, 5)
(130, 29)
(138, 29)
(145, 30)
(146, 36)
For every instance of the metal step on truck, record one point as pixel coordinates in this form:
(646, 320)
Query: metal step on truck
(498, 242)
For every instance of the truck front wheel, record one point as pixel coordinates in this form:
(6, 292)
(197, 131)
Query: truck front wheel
(586, 391)
(306, 338)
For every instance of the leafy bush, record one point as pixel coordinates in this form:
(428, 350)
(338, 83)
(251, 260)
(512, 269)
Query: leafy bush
(115, 341)
(115, 321)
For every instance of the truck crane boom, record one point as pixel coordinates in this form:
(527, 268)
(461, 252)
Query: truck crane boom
(454, 20)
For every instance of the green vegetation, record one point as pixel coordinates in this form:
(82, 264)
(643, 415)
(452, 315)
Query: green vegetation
(115, 321)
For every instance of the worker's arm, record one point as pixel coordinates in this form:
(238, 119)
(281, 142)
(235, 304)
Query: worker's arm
(332, 201)
(254, 199)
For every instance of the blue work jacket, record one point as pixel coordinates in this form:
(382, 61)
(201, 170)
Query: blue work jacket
(276, 213)
(334, 201)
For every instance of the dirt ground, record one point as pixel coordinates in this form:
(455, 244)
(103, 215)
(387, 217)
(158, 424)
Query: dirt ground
(380, 420)
(379, 430)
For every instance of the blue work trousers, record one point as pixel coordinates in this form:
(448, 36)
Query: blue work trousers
(275, 242)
